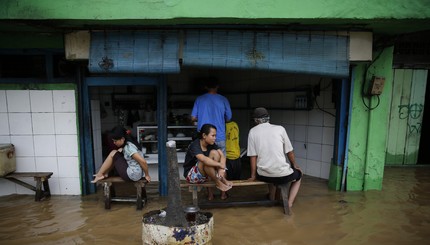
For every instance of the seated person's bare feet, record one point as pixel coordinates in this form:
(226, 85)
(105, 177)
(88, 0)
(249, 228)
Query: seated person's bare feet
(210, 194)
(221, 186)
(224, 195)
(98, 177)
(226, 182)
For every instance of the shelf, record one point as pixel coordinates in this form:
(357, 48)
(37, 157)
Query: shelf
(180, 138)
(180, 127)
(185, 131)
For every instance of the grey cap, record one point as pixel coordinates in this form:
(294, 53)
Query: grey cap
(260, 112)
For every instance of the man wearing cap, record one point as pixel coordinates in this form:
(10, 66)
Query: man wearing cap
(268, 148)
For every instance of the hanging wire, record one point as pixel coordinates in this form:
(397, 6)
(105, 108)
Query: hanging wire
(363, 92)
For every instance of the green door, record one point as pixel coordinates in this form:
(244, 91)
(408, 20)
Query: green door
(406, 115)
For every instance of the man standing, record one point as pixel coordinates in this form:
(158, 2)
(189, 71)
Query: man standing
(214, 109)
(268, 146)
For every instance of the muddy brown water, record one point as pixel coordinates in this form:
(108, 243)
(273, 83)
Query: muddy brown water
(399, 214)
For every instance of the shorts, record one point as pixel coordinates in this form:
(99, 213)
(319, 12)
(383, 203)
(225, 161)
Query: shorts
(234, 169)
(295, 176)
(194, 176)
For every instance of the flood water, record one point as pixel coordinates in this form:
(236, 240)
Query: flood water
(399, 214)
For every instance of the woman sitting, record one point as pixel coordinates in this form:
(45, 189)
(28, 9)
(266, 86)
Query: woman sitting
(128, 160)
(204, 159)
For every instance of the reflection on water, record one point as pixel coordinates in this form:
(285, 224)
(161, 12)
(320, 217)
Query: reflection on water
(399, 214)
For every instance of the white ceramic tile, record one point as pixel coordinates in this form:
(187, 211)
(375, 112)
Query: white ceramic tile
(320, 101)
(54, 185)
(290, 130)
(95, 105)
(313, 168)
(67, 145)
(276, 117)
(47, 164)
(301, 117)
(5, 139)
(330, 120)
(65, 123)
(314, 152)
(316, 117)
(68, 167)
(20, 124)
(325, 170)
(43, 123)
(328, 104)
(4, 124)
(70, 186)
(153, 171)
(98, 160)
(23, 145)
(64, 101)
(328, 136)
(314, 134)
(41, 101)
(300, 133)
(302, 162)
(288, 117)
(299, 149)
(7, 187)
(45, 146)
(25, 191)
(25, 164)
(3, 104)
(327, 153)
(18, 100)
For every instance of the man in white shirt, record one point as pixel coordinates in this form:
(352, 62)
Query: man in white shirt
(268, 149)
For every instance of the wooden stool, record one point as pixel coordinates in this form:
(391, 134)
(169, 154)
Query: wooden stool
(110, 195)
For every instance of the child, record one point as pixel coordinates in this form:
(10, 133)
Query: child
(232, 146)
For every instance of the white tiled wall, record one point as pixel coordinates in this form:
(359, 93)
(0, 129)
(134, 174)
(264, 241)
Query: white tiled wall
(43, 128)
(312, 132)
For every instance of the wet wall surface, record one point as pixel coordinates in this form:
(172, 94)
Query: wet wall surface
(399, 214)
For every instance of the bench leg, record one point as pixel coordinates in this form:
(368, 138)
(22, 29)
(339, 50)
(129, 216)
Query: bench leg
(39, 193)
(107, 194)
(141, 195)
(285, 188)
(46, 190)
(194, 190)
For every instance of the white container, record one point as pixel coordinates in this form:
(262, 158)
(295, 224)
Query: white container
(7, 159)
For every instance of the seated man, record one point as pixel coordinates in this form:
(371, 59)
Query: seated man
(267, 146)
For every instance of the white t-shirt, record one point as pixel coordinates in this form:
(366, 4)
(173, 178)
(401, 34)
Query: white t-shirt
(270, 143)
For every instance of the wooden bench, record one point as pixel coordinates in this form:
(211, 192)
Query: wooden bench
(110, 195)
(42, 185)
(284, 189)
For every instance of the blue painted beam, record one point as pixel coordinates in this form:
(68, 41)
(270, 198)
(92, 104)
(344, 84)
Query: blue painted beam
(341, 121)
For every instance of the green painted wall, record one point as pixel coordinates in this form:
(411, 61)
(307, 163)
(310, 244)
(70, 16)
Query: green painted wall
(243, 9)
(368, 129)
(407, 108)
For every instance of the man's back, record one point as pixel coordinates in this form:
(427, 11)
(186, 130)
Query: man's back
(213, 109)
(270, 143)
